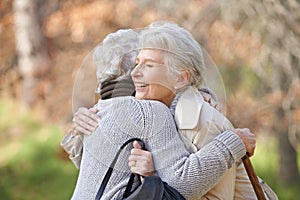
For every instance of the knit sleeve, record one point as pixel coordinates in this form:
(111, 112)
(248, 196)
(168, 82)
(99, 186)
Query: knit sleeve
(191, 174)
(195, 174)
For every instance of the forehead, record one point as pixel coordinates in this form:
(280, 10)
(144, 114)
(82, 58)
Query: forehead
(151, 55)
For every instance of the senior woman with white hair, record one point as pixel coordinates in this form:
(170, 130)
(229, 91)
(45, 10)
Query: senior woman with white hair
(197, 172)
(166, 47)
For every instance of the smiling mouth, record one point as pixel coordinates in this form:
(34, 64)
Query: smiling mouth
(139, 85)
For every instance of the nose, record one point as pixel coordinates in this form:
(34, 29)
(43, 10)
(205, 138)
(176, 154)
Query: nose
(136, 72)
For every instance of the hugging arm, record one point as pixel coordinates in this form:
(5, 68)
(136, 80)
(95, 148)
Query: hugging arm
(203, 169)
(141, 161)
(85, 121)
(192, 174)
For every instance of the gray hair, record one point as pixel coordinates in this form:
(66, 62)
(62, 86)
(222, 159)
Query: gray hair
(182, 51)
(115, 56)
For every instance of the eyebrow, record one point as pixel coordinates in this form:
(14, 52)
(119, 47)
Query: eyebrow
(149, 60)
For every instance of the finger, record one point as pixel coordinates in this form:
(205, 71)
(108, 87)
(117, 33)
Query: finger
(139, 160)
(93, 114)
(132, 163)
(219, 108)
(251, 152)
(135, 170)
(140, 171)
(206, 96)
(252, 148)
(134, 157)
(82, 118)
(139, 166)
(213, 103)
(136, 145)
(82, 110)
(86, 122)
(140, 152)
(83, 130)
(84, 127)
(144, 160)
(93, 110)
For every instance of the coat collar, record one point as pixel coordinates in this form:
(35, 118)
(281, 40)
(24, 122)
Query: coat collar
(188, 108)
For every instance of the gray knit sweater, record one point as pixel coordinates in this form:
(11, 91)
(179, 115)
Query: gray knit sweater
(125, 117)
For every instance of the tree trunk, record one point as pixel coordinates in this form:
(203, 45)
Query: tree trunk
(288, 168)
(30, 46)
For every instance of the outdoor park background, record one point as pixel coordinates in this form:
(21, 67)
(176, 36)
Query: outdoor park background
(255, 44)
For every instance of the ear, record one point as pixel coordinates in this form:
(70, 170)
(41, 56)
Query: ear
(183, 79)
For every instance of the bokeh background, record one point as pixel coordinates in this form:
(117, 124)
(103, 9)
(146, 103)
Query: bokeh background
(255, 44)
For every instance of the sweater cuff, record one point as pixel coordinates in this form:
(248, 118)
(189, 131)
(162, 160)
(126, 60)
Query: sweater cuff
(233, 143)
(73, 146)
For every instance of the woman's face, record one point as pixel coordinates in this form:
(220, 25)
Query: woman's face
(151, 77)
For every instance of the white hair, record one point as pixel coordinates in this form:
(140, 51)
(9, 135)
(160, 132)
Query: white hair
(115, 55)
(182, 51)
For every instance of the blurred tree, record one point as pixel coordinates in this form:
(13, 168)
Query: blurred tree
(277, 24)
(33, 58)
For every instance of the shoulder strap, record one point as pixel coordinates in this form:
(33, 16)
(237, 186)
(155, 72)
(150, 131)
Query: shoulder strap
(111, 167)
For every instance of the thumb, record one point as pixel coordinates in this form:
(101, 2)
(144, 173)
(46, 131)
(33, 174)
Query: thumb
(93, 110)
(136, 145)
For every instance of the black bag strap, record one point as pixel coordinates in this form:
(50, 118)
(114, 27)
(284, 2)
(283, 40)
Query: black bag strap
(111, 167)
(130, 183)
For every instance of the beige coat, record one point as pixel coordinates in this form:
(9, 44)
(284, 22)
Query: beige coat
(198, 124)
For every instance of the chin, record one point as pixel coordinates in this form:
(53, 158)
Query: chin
(139, 96)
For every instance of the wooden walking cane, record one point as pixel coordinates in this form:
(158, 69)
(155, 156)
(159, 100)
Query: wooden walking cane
(253, 178)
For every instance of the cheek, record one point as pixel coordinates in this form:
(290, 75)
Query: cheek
(161, 80)
(160, 91)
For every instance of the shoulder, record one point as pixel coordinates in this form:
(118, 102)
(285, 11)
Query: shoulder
(141, 110)
(150, 108)
(132, 104)
(138, 105)
(210, 115)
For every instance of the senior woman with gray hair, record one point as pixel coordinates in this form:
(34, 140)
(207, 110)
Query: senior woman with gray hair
(197, 172)
(168, 47)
